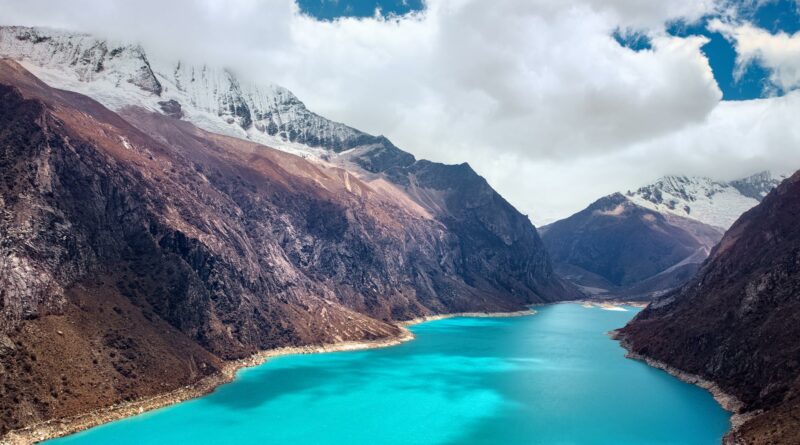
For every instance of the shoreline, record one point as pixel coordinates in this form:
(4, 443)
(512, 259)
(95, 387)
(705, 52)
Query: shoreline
(428, 318)
(727, 401)
(602, 304)
(55, 428)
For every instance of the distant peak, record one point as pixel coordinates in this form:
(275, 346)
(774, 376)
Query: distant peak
(713, 202)
(758, 185)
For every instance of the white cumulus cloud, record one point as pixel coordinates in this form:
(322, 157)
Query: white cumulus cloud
(779, 53)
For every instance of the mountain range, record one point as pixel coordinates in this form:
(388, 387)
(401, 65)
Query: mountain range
(642, 243)
(148, 235)
(120, 74)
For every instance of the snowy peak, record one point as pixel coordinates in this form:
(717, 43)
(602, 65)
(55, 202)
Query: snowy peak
(667, 229)
(215, 99)
(90, 59)
(712, 202)
(260, 110)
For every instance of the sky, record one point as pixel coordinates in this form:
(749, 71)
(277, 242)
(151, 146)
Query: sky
(555, 102)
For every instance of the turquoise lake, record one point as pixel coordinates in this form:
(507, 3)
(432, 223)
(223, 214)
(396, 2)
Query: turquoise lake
(551, 378)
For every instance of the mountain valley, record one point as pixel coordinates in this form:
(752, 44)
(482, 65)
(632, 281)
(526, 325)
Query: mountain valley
(137, 245)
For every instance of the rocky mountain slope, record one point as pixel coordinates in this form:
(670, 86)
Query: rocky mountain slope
(616, 248)
(641, 244)
(736, 322)
(120, 75)
(135, 246)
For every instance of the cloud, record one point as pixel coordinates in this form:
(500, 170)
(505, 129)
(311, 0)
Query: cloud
(536, 95)
(737, 139)
(518, 76)
(779, 53)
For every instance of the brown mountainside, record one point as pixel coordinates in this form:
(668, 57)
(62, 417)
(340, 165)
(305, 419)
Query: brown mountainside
(737, 322)
(616, 248)
(137, 252)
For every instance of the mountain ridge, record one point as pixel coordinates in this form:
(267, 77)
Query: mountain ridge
(639, 245)
(120, 74)
(616, 248)
(215, 98)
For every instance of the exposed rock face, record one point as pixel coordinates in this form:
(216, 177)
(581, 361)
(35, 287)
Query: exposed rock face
(217, 100)
(493, 237)
(616, 248)
(736, 322)
(757, 186)
(171, 108)
(135, 245)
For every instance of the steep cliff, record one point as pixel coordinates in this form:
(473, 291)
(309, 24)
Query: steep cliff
(737, 322)
(492, 235)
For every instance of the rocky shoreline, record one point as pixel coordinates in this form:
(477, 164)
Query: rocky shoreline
(55, 428)
(728, 402)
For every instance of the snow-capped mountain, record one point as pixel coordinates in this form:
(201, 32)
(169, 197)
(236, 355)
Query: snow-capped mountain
(119, 74)
(758, 185)
(645, 242)
(715, 203)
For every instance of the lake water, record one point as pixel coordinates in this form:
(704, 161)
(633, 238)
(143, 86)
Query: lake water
(552, 378)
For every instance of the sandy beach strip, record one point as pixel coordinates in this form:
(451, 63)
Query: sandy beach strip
(612, 305)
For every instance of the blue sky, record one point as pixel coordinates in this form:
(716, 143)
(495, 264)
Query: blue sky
(772, 15)
(332, 9)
